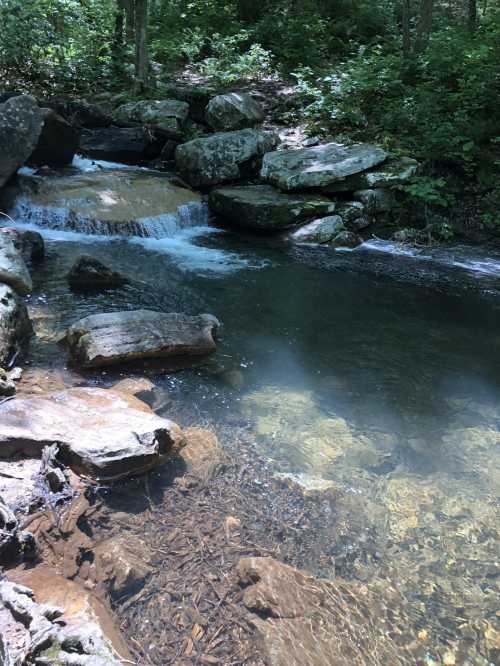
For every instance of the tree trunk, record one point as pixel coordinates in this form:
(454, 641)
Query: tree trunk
(129, 6)
(406, 28)
(424, 23)
(141, 46)
(472, 15)
(118, 35)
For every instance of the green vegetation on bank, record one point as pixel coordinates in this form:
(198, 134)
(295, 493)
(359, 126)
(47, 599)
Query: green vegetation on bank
(421, 77)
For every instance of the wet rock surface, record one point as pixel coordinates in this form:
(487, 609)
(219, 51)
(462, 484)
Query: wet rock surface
(132, 145)
(89, 274)
(120, 337)
(20, 127)
(318, 231)
(233, 111)
(15, 325)
(223, 157)
(319, 166)
(102, 434)
(262, 207)
(29, 243)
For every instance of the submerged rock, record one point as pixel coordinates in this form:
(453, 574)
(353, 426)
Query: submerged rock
(132, 145)
(122, 565)
(224, 156)
(20, 126)
(120, 337)
(118, 202)
(29, 243)
(58, 142)
(90, 274)
(318, 231)
(319, 166)
(233, 111)
(50, 620)
(104, 434)
(167, 115)
(15, 325)
(13, 270)
(263, 207)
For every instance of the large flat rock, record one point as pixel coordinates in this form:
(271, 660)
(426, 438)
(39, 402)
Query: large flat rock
(319, 166)
(263, 207)
(13, 270)
(120, 337)
(103, 434)
(20, 126)
(222, 157)
(15, 325)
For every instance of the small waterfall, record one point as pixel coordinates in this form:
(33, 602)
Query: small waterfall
(166, 225)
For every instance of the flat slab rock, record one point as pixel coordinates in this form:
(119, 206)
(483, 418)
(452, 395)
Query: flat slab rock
(319, 166)
(102, 434)
(119, 337)
(263, 207)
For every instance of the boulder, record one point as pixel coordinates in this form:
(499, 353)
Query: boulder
(197, 96)
(58, 142)
(319, 231)
(52, 620)
(29, 243)
(346, 239)
(223, 157)
(103, 434)
(319, 166)
(90, 274)
(167, 116)
(350, 210)
(15, 325)
(79, 113)
(376, 201)
(124, 203)
(120, 337)
(263, 207)
(13, 269)
(131, 145)
(20, 127)
(233, 111)
(395, 171)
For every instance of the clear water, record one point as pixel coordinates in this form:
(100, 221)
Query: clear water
(377, 369)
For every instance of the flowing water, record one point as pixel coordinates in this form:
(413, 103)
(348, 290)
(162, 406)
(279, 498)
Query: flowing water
(376, 369)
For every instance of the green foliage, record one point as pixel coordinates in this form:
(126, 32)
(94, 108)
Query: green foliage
(229, 63)
(427, 190)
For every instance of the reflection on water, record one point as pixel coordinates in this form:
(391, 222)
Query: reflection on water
(376, 372)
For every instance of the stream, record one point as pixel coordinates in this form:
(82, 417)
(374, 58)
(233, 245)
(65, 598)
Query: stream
(376, 369)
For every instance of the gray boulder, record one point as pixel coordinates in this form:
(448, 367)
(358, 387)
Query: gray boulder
(132, 145)
(79, 113)
(396, 171)
(15, 325)
(233, 111)
(319, 166)
(29, 243)
(90, 274)
(103, 434)
(346, 239)
(263, 207)
(120, 337)
(168, 115)
(58, 142)
(376, 201)
(223, 157)
(13, 269)
(319, 231)
(20, 126)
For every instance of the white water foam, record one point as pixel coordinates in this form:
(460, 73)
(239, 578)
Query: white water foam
(87, 165)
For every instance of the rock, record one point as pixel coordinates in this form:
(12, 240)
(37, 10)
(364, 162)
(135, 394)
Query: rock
(15, 325)
(102, 434)
(29, 243)
(263, 207)
(7, 388)
(168, 151)
(350, 210)
(309, 486)
(58, 142)
(168, 115)
(318, 231)
(223, 157)
(79, 113)
(120, 337)
(310, 141)
(90, 274)
(139, 387)
(408, 235)
(14, 543)
(320, 166)
(13, 270)
(121, 563)
(233, 111)
(20, 126)
(395, 171)
(346, 239)
(122, 203)
(86, 634)
(197, 96)
(131, 145)
(376, 201)
(201, 453)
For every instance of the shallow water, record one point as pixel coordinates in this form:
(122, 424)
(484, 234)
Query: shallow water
(377, 369)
